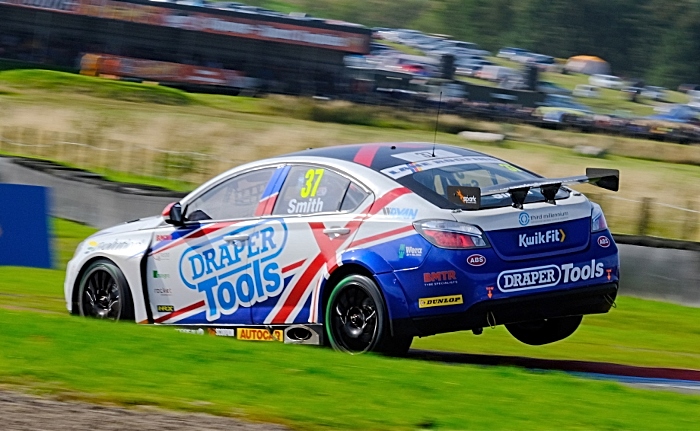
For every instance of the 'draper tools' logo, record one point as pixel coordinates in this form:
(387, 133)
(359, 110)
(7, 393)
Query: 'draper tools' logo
(236, 274)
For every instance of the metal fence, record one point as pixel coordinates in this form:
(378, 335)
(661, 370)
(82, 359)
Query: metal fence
(678, 220)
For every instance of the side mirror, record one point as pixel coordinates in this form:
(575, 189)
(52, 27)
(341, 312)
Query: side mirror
(173, 214)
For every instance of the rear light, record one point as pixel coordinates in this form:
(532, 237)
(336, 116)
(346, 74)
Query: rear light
(598, 222)
(451, 234)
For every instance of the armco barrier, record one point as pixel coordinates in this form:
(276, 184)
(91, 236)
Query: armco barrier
(84, 197)
(651, 268)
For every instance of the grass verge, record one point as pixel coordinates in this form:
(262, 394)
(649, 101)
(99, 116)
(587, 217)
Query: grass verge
(63, 82)
(311, 388)
(45, 350)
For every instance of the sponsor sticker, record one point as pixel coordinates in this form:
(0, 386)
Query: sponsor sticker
(524, 219)
(401, 171)
(400, 213)
(160, 238)
(468, 197)
(439, 278)
(162, 256)
(409, 251)
(223, 332)
(254, 334)
(440, 301)
(157, 274)
(166, 291)
(238, 274)
(604, 241)
(541, 237)
(417, 156)
(548, 275)
(198, 331)
(111, 245)
(476, 260)
(165, 308)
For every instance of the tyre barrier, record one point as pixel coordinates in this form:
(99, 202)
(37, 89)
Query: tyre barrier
(652, 268)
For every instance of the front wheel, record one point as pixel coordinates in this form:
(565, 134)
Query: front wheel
(357, 320)
(539, 332)
(103, 293)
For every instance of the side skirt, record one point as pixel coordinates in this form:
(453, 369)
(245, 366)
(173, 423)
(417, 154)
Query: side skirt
(311, 334)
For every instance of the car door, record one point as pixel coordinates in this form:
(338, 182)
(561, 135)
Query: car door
(200, 273)
(321, 210)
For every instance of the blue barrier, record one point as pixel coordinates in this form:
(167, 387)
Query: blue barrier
(24, 226)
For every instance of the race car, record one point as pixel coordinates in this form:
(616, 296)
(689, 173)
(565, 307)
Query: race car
(360, 247)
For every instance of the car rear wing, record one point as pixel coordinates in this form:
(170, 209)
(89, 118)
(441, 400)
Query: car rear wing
(470, 197)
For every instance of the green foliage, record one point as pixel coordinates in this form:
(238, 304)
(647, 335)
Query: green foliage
(653, 39)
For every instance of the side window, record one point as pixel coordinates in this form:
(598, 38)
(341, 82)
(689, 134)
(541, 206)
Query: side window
(237, 197)
(309, 190)
(353, 197)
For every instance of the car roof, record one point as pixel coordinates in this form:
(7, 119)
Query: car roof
(378, 156)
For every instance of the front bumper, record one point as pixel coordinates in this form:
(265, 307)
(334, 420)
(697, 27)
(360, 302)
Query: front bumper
(594, 299)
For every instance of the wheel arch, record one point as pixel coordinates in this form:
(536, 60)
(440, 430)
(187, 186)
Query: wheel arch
(380, 273)
(135, 292)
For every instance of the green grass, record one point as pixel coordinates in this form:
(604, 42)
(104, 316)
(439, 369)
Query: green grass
(44, 350)
(311, 388)
(62, 82)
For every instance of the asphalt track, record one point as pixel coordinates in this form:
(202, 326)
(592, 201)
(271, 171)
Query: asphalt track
(677, 379)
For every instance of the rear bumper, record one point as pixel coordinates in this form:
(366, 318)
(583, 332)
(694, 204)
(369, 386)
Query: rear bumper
(579, 301)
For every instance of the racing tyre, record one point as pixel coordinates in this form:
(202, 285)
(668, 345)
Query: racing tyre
(357, 320)
(103, 293)
(539, 332)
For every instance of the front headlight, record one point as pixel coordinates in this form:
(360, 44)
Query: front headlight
(598, 222)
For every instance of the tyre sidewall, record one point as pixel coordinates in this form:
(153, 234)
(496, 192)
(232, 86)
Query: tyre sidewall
(369, 287)
(126, 311)
(550, 331)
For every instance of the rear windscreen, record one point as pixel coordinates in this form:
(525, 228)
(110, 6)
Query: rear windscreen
(432, 184)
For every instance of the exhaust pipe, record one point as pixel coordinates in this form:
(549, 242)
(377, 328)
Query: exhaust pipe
(303, 334)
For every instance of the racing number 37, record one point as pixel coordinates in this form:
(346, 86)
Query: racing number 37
(313, 179)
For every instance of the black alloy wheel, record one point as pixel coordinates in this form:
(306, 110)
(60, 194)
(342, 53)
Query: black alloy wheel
(104, 294)
(357, 321)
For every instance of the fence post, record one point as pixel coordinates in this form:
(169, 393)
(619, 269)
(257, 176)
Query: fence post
(644, 217)
(690, 222)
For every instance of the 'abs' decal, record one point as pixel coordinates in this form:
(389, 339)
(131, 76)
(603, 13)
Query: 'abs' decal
(239, 273)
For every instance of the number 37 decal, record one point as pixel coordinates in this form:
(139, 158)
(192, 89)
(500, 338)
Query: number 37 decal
(313, 179)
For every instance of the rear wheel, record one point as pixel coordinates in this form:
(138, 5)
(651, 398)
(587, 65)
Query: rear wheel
(539, 332)
(357, 320)
(103, 293)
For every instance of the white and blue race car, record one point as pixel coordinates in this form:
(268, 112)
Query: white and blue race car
(362, 247)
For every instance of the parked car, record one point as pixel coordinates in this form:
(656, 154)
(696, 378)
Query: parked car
(585, 90)
(684, 88)
(606, 81)
(654, 93)
(509, 52)
(497, 73)
(362, 247)
(551, 88)
(562, 101)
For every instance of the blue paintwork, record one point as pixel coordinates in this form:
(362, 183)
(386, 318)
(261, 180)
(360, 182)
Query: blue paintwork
(475, 282)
